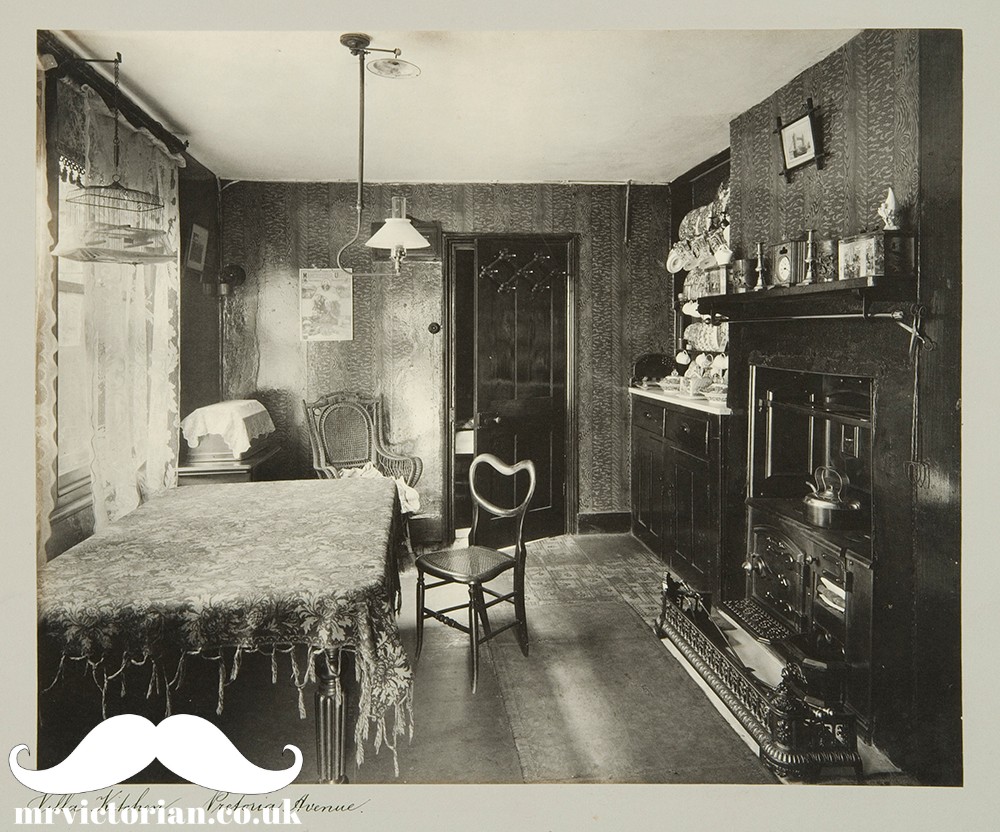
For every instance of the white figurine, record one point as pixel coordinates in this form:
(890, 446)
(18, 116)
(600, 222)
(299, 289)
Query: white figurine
(887, 211)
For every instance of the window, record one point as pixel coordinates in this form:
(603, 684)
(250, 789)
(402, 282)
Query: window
(73, 386)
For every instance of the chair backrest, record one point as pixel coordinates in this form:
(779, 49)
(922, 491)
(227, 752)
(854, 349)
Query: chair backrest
(480, 502)
(346, 430)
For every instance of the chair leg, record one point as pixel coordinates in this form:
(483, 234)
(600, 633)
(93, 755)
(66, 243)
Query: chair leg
(420, 613)
(519, 611)
(483, 615)
(474, 635)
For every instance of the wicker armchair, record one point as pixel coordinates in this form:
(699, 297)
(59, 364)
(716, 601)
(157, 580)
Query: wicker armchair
(346, 430)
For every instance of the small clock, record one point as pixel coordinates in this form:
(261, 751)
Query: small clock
(786, 263)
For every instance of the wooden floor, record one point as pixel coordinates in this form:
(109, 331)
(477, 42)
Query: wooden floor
(599, 699)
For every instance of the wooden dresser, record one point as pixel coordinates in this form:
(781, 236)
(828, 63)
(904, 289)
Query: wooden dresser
(677, 476)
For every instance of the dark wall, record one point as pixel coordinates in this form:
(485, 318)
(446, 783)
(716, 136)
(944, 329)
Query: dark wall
(274, 229)
(938, 517)
(200, 356)
(888, 102)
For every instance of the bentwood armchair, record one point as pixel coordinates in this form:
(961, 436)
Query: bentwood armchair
(346, 430)
(476, 566)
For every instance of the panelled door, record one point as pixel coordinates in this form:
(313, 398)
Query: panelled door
(521, 376)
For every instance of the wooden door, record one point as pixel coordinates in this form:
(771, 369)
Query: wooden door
(521, 376)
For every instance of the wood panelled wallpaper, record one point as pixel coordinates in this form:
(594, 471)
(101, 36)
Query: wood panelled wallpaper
(875, 94)
(867, 95)
(199, 347)
(274, 229)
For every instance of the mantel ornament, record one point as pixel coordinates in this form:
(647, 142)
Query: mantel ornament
(887, 211)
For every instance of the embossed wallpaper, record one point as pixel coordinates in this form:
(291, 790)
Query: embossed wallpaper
(891, 110)
(274, 229)
(867, 95)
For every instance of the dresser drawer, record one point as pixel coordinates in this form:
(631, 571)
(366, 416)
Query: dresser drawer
(688, 432)
(647, 415)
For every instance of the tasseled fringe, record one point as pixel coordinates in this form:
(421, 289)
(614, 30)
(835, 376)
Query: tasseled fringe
(237, 659)
(70, 171)
(58, 676)
(178, 679)
(154, 681)
(222, 686)
(299, 683)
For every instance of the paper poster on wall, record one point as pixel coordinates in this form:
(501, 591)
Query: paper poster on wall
(326, 304)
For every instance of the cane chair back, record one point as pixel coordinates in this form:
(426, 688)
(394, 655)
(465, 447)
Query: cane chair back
(347, 430)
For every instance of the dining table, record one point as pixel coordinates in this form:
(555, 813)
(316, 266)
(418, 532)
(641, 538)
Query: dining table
(302, 570)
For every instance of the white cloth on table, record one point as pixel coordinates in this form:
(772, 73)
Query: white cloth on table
(409, 498)
(238, 422)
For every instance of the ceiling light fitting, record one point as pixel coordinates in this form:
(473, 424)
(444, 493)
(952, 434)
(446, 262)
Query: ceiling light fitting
(397, 234)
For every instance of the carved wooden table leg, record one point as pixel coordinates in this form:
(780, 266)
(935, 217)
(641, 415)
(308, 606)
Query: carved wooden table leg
(331, 717)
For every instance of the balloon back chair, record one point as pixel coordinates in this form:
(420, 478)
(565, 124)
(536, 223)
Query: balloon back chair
(476, 566)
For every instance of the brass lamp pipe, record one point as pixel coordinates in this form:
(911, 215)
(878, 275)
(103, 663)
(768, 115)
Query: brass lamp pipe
(359, 204)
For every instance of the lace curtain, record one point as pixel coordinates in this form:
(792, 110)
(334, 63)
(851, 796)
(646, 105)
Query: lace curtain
(45, 329)
(131, 318)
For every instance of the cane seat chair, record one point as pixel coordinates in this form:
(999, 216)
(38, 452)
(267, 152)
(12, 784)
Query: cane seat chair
(476, 566)
(347, 430)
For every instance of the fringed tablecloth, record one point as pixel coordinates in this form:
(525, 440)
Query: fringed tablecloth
(285, 568)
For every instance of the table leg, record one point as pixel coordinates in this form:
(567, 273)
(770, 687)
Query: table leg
(331, 717)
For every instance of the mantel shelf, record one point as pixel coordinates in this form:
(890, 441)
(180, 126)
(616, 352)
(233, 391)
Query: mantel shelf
(839, 297)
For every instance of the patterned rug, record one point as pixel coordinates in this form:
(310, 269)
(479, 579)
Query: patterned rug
(599, 699)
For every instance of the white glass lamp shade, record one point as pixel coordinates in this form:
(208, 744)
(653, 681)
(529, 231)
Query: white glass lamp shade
(397, 234)
(397, 231)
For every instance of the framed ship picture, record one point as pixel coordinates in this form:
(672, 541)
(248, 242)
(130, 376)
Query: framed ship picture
(800, 141)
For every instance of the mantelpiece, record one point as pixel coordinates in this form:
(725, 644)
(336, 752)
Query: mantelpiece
(852, 298)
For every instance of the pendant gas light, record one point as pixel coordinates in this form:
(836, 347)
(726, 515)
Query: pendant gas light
(397, 234)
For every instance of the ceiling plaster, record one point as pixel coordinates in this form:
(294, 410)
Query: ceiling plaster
(528, 106)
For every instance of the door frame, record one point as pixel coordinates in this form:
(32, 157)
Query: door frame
(571, 497)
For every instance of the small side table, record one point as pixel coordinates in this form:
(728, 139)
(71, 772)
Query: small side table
(216, 471)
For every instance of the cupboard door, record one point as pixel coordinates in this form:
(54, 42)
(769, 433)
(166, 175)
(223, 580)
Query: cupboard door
(690, 530)
(647, 489)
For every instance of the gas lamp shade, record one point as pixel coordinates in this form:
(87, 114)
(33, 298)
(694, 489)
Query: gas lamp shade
(397, 234)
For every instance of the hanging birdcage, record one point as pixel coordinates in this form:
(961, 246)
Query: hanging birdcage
(106, 228)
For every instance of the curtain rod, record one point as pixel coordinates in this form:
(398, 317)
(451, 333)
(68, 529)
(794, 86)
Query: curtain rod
(68, 62)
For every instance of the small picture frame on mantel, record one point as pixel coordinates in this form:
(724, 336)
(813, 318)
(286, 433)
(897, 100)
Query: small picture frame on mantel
(800, 141)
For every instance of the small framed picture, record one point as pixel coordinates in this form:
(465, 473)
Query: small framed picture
(197, 248)
(800, 141)
(797, 143)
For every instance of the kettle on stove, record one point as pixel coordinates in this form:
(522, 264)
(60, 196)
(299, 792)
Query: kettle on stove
(827, 506)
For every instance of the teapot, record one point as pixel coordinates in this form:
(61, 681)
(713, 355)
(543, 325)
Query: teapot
(827, 506)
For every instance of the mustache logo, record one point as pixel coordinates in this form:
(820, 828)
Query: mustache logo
(122, 746)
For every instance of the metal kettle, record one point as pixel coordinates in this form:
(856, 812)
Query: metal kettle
(827, 506)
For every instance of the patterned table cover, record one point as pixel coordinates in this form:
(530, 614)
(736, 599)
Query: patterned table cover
(290, 568)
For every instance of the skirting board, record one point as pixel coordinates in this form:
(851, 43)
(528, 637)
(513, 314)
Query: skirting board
(426, 528)
(604, 522)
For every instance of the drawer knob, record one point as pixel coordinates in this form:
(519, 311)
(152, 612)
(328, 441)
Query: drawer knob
(686, 428)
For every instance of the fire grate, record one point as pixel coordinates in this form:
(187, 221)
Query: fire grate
(756, 620)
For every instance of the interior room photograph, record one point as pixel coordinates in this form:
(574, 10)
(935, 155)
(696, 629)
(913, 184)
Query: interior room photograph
(461, 409)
